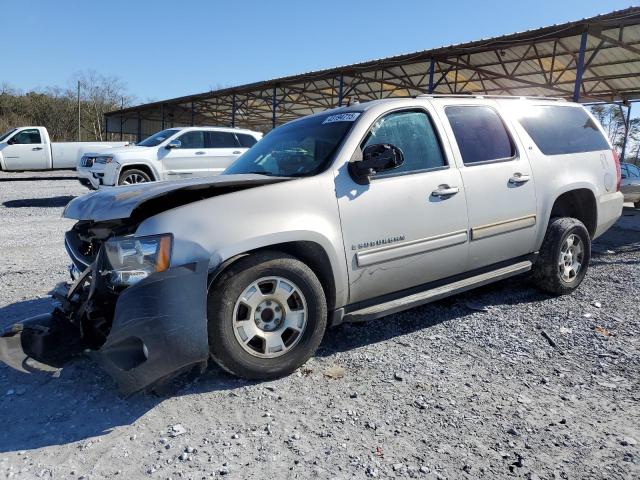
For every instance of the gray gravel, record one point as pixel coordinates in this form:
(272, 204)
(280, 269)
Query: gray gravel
(501, 382)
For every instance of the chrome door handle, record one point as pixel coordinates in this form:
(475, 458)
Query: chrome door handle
(519, 178)
(237, 152)
(200, 153)
(36, 148)
(445, 191)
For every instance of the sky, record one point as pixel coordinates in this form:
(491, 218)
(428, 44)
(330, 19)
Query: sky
(164, 49)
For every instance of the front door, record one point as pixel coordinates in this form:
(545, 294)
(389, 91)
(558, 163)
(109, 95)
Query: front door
(190, 159)
(26, 151)
(498, 182)
(409, 225)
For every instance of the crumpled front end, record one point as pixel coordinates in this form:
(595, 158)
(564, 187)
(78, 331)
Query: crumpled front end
(142, 335)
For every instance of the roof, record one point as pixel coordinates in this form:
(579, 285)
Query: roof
(539, 62)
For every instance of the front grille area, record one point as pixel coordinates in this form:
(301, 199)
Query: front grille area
(87, 161)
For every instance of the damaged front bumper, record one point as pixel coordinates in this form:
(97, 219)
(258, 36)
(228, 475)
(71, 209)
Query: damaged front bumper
(157, 330)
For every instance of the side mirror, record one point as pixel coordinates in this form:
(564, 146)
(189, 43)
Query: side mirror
(11, 141)
(173, 144)
(375, 159)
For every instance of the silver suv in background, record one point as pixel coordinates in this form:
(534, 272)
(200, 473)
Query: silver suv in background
(630, 184)
(346, 215)
(167, 155)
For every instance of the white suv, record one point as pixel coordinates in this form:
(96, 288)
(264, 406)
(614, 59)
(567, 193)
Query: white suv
(167, 155)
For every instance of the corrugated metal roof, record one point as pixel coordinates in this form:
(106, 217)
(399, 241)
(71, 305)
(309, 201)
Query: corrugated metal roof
(541, 62)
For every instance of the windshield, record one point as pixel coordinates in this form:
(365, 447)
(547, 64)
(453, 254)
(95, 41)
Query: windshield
(7, 133)
(297, 149)
(157, 138)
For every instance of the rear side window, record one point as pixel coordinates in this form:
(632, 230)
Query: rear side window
(480, 134)
(412, 132)
(221, 140)
(27, 137)
(558, 130)
(246, 141)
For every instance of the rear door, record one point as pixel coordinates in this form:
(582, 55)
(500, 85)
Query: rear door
(26, 150)
(190, 159)
(498, 182)
(222, 150)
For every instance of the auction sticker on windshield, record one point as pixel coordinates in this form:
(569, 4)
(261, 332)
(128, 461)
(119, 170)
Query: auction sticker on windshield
(342, 117)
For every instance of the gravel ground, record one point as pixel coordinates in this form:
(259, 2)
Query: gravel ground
(501, 382)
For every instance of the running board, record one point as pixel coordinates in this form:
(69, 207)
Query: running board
(427, 296)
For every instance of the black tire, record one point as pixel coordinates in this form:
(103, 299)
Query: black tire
(133, 171)
(546, 274)
(636, 204)
(226, 350)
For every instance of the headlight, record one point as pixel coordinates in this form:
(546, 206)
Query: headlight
(133, 258)
(104, 159)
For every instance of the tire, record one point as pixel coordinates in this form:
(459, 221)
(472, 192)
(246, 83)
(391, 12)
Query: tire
(234, 347)
(548, 274)
(636, 204)
(133, 176)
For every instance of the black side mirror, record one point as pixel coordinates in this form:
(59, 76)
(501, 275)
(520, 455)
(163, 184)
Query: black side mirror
(11, 141)
(375, 159)
(173, 144)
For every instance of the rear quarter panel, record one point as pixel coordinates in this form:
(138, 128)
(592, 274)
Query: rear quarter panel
(557, 174)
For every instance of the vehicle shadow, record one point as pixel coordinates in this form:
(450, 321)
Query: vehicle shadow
(14, 312)
(80, 401)
(34, 179)
(59, 201)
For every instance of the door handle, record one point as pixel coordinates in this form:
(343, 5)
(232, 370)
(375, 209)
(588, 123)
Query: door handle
(518, 179)
(200, 153)
(237, 152)
(445, 191)
(36, 148)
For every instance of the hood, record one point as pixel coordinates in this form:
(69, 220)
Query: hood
(122, 202)
(129, 149)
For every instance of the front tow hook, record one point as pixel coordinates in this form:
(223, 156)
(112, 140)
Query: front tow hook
(40, 344)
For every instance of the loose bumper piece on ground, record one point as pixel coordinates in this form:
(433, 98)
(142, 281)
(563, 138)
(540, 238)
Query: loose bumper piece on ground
(158, 331)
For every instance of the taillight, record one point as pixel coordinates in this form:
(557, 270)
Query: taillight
(616, 159)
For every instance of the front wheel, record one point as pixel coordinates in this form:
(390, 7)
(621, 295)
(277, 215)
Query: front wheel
(267, 314)
(564, 256)
(133, 176)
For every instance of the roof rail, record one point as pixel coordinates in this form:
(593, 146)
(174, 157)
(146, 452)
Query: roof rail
(501, 97)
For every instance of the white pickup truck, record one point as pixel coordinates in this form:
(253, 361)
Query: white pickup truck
(30, 148)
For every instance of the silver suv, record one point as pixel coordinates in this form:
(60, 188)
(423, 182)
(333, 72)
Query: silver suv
(346, 215)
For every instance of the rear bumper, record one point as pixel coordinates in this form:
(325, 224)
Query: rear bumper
(609, 210)
(159, 329)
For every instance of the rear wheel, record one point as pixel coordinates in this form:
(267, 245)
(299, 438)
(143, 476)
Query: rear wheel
(636, 204)
(564, 256)
(267, 314)
(133, 176)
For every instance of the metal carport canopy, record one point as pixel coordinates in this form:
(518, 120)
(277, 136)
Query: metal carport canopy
(589, 60)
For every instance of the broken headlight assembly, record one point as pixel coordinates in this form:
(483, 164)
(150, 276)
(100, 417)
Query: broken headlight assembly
(131, 259)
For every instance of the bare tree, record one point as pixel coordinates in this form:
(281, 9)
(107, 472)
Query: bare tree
(56, 108)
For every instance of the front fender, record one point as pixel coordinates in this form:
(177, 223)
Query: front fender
(138, 164)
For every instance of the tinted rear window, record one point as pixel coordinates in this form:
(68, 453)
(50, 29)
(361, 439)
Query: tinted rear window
(220, 140)
(558, 130)
(480, 134)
